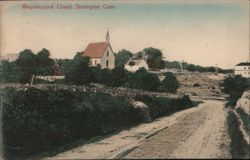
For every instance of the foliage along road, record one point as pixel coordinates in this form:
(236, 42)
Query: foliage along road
(198, 132)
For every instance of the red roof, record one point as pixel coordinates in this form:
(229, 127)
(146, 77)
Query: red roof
(96, 50)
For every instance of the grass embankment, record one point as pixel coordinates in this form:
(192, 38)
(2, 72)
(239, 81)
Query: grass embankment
(239, 148)
(42, 121)
(245, 119)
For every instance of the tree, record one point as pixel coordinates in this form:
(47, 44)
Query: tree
(154, 58)
(65, 65)
(170, 83)
(122, 57)
(27, 65)
(45, 65)
(192, 68)
(79, 72)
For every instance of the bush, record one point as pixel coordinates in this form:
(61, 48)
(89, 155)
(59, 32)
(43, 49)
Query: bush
(238, 145)
(141, 79)
(41, 120)
(115, 77)
(9, 72)
(102, 76)
(160, 106)
(234, 86)
(79, 72)
(245, 119)
(118, 76)
(170, 83)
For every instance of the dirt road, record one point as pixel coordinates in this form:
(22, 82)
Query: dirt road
(198, 132)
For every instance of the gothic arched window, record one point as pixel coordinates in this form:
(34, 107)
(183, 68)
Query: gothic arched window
(107, 63)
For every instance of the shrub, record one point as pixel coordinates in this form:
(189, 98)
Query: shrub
(160, 106)
(79, 72)
(40, 120)
(106, 77)
(234, 86)
(238, 145)
(9, 72)
(245, 119)
(170, 83)
(115, 77)
(141, 79)
(118, 76)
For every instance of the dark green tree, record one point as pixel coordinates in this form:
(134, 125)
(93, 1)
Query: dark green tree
(65, 64)
(154, 58)
(122, 57)
(170, 83)
(79, 72)
(27, 65)
(45, 65)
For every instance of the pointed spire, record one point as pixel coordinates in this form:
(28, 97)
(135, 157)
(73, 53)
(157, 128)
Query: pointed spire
(107, 36)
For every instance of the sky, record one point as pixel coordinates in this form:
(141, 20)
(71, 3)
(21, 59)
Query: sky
(200, 32)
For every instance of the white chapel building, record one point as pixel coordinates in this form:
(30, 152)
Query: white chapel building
(101, 53)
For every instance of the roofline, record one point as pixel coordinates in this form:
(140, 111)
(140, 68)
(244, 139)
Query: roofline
(111, 48)
(243, 64)
(103, 51)
(91, 57)
(135, 60)
(98, 42)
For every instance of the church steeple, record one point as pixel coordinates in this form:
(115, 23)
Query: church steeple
(107, 37)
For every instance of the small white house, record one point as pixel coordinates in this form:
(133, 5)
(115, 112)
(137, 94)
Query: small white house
(134, 65)
(242, 69)
(101, 53)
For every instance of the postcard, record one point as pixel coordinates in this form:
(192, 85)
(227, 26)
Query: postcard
(106, 79)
